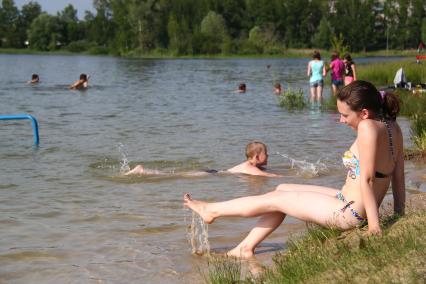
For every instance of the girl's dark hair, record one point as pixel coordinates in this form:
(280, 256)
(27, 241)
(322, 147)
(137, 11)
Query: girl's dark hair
(364, 95)
(334, 55)
(316, 55)
(348, 57)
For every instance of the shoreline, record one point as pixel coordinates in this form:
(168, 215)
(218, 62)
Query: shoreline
(290, 53)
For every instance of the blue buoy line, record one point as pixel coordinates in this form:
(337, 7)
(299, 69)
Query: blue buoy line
(25, 116)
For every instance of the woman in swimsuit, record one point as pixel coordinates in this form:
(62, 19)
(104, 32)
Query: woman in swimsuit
(374, 160)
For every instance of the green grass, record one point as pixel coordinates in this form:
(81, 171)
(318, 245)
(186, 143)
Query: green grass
(418, 130)
(292, 99)
(383, 73)
(328, 256)
(223, 270)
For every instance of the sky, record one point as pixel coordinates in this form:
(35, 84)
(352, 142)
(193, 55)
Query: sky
(54, 6)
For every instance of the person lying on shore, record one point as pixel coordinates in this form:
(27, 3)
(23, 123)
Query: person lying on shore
(257, 158)
(374, 160)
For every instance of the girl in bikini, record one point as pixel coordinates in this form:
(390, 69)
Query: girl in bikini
(374, 160)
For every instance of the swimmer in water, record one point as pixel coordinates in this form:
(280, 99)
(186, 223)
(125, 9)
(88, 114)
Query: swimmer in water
(257, 158)
(242, 88)
(82, 83)
(277, 89)
(35, 79)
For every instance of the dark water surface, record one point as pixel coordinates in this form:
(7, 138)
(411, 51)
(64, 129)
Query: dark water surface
(67, 215)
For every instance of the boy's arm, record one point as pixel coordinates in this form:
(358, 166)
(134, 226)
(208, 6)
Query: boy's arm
(259, 172)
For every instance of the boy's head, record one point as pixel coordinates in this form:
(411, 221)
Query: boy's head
(83, 77)
(242, 87)
(34, 78)
(257, 152)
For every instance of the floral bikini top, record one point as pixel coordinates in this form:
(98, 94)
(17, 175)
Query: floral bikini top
(351, 162)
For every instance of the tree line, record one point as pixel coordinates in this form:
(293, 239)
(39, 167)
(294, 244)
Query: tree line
(191, 27)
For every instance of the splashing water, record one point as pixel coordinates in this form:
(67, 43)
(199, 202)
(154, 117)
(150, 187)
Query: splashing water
(304, 167)
(124, 162)
(198, 236)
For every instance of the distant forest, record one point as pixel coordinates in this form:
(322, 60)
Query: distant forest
(192, 27)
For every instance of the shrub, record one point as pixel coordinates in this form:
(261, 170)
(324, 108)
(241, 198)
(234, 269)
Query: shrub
(79, 46)
(418, 130)
(292, 99)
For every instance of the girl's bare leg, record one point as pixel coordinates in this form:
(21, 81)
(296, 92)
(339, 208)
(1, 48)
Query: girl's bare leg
(307, 205)
(313, 93)
(265, 226)
(269, 222)
(334, 88)
(314, 204)
(319, 93)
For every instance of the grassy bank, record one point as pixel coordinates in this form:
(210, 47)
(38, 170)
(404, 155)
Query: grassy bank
(383, 73)
(328, 256)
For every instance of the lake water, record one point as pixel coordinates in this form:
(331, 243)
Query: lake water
(67, 215)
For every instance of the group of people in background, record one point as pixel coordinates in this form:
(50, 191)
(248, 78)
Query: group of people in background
(342, 72)
(80, 84)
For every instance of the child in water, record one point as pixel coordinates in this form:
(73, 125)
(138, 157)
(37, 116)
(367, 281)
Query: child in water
(257, 157)
(277, 89)
(82, 83)
(34, 79)
(242, 88)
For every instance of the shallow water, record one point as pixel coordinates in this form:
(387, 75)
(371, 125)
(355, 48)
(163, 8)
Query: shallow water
(67, 215)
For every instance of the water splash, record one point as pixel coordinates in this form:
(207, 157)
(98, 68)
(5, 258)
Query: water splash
(124, 162)
(306, 168)
(198, 236)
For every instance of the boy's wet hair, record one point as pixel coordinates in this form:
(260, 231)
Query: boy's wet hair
(34, 77)
(255, 148)
(83, 77)
(242, 86)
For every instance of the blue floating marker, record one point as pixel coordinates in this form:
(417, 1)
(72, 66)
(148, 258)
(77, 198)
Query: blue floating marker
(25, 116)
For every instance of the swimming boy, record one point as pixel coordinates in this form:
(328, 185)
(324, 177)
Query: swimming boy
(34, 79)
(82, 83)
(257, 157)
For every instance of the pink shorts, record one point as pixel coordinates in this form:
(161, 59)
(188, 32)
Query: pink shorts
(348, 80)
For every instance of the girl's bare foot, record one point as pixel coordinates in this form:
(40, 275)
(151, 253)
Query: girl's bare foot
(138, 170)
(240, 252)
(198, 207)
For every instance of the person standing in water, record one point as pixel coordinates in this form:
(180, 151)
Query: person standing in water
(316, 72)
(337, 68)
(350, 70)
(374, 160)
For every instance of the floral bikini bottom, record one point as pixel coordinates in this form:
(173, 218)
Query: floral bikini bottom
(348, 206)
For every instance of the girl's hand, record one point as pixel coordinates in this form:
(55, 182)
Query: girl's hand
(372, 231)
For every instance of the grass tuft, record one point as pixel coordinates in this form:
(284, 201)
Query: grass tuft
(292, 100)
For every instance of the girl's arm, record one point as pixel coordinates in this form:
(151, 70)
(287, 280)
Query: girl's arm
(309, 69)
(353, 70)
(367, 148)
(324, 71)
(398, 180)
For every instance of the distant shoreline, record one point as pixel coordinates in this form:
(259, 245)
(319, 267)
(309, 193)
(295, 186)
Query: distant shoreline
(290, 53)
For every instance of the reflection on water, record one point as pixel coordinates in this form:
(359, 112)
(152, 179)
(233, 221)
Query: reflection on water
(67, 212)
